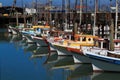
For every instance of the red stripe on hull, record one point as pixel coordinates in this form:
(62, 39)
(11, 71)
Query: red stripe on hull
(75, 50)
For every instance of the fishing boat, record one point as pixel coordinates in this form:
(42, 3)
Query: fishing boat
(103, 59)
(59, 43)
(75, 47)
(106, 57)
(36, 34)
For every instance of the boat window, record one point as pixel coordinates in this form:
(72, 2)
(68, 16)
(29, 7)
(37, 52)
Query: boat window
(89, 39)
(84, 39)
(116, 43)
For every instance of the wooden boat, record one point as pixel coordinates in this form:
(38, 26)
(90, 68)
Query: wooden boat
(75, 47)
(53, 37)
(82, 42)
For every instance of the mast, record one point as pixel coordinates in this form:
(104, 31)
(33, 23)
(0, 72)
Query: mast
(74, 20)
(94, 25)
(66, 10)
(81, 11)
(24, 15)
(63, 8)
(50, 5)
(14, 7)
(116, 19)
(36, 16)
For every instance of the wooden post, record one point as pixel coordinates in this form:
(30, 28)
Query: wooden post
(75, 28)
(111, 35)
(17, 18)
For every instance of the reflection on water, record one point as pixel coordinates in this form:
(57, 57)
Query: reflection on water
(22, 61)
(106, 76)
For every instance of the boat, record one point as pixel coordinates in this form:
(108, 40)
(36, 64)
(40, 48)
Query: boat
(27, 33)
(104, 59)
(101, 62)
(58, 43)
(81, 43)
(37, 34)
(106, 56)
(13, 30)
(75, 47)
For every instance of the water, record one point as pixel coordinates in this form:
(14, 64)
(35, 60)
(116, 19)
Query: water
(22, 61)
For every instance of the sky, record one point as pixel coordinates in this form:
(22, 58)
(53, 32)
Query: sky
(55, 2)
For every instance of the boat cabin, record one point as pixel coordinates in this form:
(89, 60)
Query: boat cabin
(83, 40)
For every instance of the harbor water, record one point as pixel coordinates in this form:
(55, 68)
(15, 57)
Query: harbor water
(23, 61)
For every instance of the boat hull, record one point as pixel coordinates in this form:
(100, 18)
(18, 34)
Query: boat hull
(102, 63)
(99, 65)
(62, 50)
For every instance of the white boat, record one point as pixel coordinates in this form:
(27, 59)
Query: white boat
(104, 62)
(14, 31)
(103, 59)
